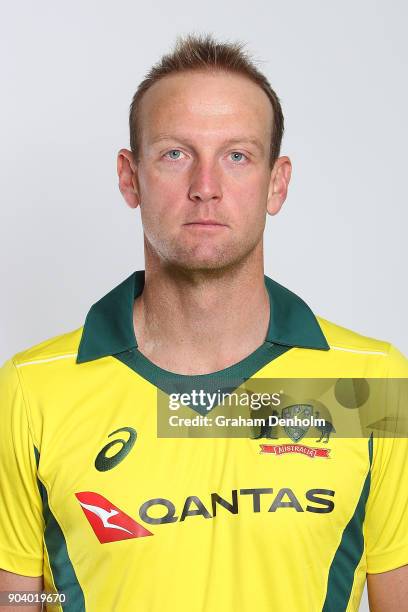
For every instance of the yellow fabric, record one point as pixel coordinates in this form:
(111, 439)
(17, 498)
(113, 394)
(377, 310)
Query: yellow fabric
(266, 558)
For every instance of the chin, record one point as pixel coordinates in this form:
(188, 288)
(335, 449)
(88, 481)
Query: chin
(209, 262)
(204, 257)
(202, 266)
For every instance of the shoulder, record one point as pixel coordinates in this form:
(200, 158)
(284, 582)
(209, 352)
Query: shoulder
(55, 348)
(39, 375)
(352, 343)
(341, 337)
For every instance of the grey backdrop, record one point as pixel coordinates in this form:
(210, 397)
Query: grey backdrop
(69, 72)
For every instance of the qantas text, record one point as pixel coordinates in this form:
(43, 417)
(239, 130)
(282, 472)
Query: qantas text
(241, 500)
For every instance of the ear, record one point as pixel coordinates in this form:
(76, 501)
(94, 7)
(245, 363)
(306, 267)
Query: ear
(127, 173)
(278, 184)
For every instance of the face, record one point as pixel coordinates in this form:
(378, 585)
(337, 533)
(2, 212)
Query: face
(203, 179)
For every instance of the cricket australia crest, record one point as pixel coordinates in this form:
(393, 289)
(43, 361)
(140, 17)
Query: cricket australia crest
(301, 412)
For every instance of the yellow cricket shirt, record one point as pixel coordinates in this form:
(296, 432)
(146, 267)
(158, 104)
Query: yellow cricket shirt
(119, 519)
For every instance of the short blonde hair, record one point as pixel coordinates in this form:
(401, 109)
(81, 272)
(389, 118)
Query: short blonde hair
(202, 52)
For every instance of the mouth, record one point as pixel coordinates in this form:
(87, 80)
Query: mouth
(205, 223)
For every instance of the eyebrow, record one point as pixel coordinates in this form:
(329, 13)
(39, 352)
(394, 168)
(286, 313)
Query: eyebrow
(235, 140)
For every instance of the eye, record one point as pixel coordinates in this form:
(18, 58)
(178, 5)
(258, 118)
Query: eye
(237, 153)
(170, 154)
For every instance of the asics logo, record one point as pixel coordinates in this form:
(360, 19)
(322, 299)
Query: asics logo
(103, 462)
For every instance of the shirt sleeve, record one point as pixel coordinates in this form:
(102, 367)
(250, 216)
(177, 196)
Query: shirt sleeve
(21, 521)
(386, 522)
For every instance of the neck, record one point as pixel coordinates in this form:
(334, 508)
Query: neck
(199, 322)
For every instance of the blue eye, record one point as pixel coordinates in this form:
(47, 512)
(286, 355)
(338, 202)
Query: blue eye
(173, 151)
(237, 153)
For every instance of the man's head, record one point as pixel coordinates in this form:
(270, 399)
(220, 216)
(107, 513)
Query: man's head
(206, 130)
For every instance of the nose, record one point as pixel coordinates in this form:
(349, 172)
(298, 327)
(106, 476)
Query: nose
(205, 184)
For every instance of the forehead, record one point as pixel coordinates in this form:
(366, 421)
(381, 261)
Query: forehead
(205, 104)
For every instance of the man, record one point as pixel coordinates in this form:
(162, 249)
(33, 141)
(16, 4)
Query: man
(99, 507)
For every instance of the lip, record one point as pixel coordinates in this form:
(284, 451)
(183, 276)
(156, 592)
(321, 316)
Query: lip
(209, 222)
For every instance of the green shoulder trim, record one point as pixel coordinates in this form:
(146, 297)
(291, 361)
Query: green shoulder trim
(349, 551)
(62, 569)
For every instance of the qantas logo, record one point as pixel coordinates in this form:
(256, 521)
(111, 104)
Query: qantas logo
(109, 523)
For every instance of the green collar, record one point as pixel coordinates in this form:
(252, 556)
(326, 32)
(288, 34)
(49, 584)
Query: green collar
(108, 328)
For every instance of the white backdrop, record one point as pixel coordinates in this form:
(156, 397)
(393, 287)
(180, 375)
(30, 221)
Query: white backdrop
(69, 72)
